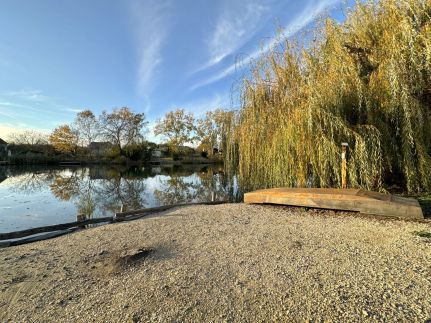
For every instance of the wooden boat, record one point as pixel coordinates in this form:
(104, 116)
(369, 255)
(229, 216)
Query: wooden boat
(340, 199)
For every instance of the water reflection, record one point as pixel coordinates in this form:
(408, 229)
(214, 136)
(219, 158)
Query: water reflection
(100, 191)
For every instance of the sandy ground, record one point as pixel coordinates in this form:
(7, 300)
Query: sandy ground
(230, 262)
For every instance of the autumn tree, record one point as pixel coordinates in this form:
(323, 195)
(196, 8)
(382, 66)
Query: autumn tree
(86, 126)
(29, 137)
(211, 130)
(177, 126)
(64, 139)
(122, 127)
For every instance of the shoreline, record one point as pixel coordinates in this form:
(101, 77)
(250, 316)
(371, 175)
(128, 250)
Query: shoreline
(152, 162)
(227, 262)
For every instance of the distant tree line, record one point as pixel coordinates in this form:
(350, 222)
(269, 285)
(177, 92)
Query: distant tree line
(180, 127)
(120, 127)
(124, 130)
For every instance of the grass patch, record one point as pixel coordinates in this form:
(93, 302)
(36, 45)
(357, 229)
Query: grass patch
(423, 234)
(425, 203)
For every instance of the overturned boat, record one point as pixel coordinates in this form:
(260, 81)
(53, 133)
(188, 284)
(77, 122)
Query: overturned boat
(356, 200)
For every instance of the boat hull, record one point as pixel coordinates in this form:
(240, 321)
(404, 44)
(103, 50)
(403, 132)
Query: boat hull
(356, 200)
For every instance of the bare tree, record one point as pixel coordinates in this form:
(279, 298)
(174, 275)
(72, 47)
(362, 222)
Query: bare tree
(122, 127)
(29, 137)
(87, 127)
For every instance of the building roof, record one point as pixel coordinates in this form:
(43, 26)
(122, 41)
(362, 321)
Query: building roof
(2, 142)
(94, 144)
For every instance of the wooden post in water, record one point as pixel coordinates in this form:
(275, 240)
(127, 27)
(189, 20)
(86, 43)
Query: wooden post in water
(344, 146)
(119, 216)
(123, 208)
(81, 217)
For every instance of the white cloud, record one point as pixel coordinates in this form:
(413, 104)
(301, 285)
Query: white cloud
(11, 104)
(9, 115)
(149, 22)
(307, 15)
(33, 100)
(30, 109)
(234, 28)
(311, 11)
(200, 106)
(27, 95)
(221, 75)
(74, 110)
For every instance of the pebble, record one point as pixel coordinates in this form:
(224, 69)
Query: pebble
(348, 269)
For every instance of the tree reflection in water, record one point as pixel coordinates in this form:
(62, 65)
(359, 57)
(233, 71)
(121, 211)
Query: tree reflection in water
(121, 188)
(100, 191)
(208, 183)
(29, 180)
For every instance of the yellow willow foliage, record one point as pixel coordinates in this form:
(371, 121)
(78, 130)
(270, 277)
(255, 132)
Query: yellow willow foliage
(366, 82)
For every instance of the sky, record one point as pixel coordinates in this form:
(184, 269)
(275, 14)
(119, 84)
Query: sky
(60, 57)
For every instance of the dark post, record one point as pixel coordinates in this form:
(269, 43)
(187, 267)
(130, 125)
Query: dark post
(81, 217)
(344, 146)
(119, 216)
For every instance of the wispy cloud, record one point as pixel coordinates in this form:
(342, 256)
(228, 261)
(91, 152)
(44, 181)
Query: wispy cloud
(311, 11)
(10, 104)
(200, 106)
(216, 77)
(9, 115)
(29, 103)
(235, 26)
(150, 24)
(307, 15)
(74, 110)
(27, 95)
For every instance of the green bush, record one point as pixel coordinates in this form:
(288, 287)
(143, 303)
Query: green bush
(136, 152)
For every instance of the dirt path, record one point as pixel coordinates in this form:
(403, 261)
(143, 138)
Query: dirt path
(231, 262)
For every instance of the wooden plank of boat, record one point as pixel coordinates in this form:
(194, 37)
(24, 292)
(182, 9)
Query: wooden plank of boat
(340, 199)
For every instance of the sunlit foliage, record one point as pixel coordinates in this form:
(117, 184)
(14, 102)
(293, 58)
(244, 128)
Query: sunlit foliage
(177, 126)
(64, 139)
(211, 130)
(366, 82)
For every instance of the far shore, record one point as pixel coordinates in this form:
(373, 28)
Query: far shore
(231, 262)
(151, 162)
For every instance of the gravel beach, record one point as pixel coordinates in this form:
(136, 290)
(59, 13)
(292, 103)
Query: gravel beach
(231, 262)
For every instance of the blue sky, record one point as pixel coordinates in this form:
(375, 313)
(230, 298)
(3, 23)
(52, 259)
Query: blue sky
(59, 57)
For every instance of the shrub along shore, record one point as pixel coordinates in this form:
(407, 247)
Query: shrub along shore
(144, 154)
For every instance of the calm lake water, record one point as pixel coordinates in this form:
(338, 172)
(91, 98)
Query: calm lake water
(38, 196)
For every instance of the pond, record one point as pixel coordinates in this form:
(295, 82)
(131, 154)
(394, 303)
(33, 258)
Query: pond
(39, 196)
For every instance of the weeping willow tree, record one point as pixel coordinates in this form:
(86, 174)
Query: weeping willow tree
(366, 81)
